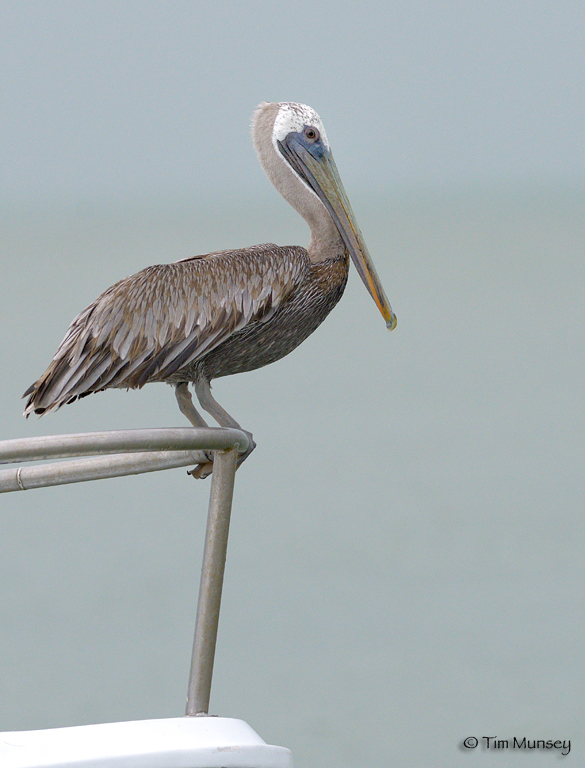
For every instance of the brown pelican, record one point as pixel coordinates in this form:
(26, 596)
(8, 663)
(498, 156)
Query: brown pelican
(226, 312)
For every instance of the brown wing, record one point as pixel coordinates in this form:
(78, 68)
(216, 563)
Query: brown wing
(152, 324)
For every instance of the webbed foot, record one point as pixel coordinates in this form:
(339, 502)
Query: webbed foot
(201, 471)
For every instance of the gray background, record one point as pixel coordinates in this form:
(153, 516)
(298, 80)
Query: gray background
(406, 563)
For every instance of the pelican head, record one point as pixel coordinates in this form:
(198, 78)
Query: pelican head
(292, 145)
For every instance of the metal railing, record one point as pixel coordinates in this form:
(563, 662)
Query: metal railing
(131, 452)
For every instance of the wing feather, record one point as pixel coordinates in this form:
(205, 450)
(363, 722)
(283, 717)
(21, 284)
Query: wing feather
(149, 326)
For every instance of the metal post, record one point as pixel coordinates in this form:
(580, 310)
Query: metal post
(210, 587)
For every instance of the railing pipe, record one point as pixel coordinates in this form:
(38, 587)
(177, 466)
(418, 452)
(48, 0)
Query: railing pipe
(148, 450)
(211, 584)
(99, 468)
(145, 450)
(116, 441)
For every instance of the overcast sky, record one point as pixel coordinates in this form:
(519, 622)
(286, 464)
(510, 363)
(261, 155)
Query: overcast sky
(407, 555)
(122, 100)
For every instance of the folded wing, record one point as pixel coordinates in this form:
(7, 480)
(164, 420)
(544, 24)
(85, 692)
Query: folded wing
(149, 326)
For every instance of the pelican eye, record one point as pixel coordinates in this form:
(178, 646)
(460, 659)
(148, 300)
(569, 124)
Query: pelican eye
(310, 133)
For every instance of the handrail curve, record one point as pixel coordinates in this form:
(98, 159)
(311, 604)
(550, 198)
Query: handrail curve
(115, 454)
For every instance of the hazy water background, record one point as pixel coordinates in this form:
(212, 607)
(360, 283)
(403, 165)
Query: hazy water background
(406, 559)
(407, 552)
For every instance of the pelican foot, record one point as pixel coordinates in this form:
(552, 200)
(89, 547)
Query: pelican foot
(201, 471)
(242, 458)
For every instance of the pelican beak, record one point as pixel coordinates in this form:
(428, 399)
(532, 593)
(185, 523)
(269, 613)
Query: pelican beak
(318, 170)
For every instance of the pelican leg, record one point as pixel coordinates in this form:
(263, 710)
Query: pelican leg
(213, 408)
(185, 401)
(186, 406)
